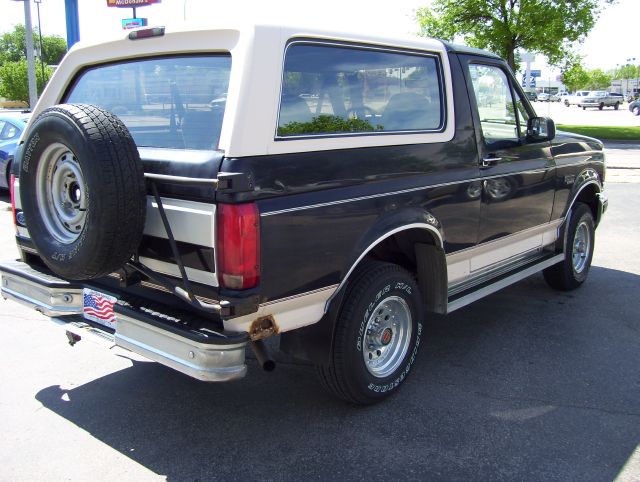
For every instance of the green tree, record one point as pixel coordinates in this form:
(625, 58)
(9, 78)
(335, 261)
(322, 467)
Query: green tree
(13, 46)
(598, 80)
(574, 75)
(627, 72)
(503, 26)
(14, 83)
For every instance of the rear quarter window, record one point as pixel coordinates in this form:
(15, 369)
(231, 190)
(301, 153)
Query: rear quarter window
(170, 102)
(335, 89)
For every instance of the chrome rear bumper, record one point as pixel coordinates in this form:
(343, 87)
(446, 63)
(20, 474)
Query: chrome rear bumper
(207, 354)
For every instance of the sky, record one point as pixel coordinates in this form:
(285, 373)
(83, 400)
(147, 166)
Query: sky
(610, 43)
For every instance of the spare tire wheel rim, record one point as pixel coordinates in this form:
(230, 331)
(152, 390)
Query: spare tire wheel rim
(387, 336)
(61, 193)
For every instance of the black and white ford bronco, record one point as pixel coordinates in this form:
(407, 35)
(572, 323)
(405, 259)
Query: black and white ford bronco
(185, 195)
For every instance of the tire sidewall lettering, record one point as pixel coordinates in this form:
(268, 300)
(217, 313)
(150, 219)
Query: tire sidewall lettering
(26, 159)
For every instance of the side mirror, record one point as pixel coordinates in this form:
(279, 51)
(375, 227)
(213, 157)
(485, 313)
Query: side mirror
(540, 129)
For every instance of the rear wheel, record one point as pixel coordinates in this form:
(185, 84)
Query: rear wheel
(616, 106)
(601, 106)
(570, 273)
(377, 335)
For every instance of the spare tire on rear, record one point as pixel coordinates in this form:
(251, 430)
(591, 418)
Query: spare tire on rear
(82, 190)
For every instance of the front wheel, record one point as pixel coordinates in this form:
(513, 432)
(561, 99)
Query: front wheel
(570, 273)
(636, 110)
(616, 106)
(377, 335)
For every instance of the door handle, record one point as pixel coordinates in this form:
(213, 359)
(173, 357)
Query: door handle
(490, 161)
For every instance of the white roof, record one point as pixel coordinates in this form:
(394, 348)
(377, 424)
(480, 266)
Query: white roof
(257, 51)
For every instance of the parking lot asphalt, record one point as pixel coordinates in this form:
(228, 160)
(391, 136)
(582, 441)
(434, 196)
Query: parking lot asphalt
(527, 384)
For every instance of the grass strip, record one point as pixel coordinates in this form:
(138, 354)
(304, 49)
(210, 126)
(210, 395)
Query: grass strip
(612, 133)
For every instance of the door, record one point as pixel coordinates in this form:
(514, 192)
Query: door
(517, 175)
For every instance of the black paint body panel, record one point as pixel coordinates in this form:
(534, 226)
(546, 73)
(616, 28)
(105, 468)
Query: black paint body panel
(319, 210)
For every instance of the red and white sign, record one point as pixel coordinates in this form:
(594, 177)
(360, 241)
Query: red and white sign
(130, 3)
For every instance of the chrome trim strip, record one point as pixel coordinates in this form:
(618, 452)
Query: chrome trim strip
(204, 277)
(593, 181)
(393, 193)
(503, 283)
(428, 227)
(195, 181)
(496, 270)
(307, 293)
(470, 263)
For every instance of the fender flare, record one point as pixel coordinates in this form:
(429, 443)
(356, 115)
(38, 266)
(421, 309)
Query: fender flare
(387, 226)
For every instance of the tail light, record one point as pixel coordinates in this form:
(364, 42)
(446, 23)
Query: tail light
(238, 234)
(13, 200)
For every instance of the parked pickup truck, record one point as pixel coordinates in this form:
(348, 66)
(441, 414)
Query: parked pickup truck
(599, 99)
(575, 98)
(188, 194)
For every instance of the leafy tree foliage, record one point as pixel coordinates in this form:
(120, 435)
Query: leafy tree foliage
(598, 80)
(13, 46)
(327, 123)
(574, 75)
(548, 27)
(627, 72)
(13, 80)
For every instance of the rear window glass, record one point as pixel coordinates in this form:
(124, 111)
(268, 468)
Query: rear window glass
(171, 102)
(335, 89)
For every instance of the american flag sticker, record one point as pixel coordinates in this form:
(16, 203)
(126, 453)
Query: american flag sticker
(98, 307)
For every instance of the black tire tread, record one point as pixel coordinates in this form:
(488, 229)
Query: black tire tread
(332, 376)
(121, 191)
(560, 276)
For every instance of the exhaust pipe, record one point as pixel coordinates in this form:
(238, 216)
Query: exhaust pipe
(262, 355)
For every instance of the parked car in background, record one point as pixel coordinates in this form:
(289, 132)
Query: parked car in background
(554, 98)
(11, 126)
(532, 96)
(574, 99)
(634, 107)
(619, 97)
(599, 99)
(544, 96)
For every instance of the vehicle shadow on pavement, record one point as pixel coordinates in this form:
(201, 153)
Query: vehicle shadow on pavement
(527, 384)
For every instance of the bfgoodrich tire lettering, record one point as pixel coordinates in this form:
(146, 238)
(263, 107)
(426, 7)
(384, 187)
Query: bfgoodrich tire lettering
(573, 270)
(83, 191)
(378, 333)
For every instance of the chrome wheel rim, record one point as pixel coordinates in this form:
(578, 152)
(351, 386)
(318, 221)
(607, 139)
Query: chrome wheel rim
(581, 247)
(61, 193)
(387, 336)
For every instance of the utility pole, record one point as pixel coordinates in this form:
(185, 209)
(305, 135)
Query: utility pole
(40, 36)
(31, 64)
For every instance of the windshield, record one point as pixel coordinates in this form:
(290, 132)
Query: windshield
(170, 102)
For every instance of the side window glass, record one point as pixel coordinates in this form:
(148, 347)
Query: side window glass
(3, 131)
(500, 118)
(336, 89)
